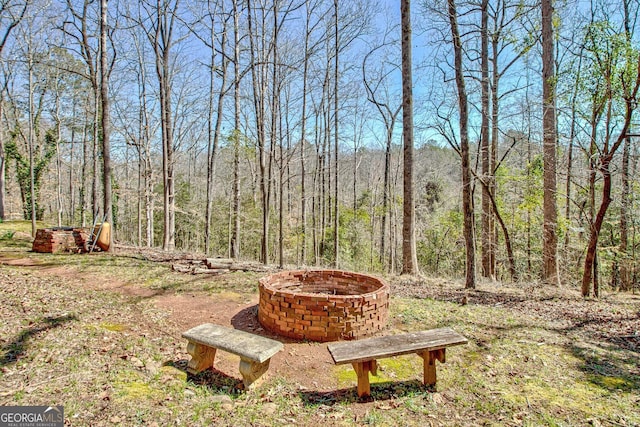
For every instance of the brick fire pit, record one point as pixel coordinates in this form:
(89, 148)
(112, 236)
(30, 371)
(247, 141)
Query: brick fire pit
(323, 305)
(61, 239)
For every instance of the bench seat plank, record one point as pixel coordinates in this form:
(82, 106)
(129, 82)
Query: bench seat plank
(429, 345)
(394, 345)
(248, 346)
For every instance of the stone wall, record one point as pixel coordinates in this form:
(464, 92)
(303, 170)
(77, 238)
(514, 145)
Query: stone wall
(323, 305)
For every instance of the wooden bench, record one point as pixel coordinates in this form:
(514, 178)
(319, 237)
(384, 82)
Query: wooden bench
(430, 345)
(255, 351)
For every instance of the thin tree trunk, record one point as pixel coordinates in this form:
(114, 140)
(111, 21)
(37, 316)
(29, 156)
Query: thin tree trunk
(336, 213)
(493, 186)
(467, 200)
(385, 203)
(105, 121)
(72, 199)
(550, 211)
(95, 203)
(235, 233)
(58, 160)
(140, 192)
(625, 205)
(9, 27)
(32, 185)
(83, 178)
(625, 280)
(303, 130)
(212, 148)
(572, 137)
(162, 41)
(259, 94)
(2, 160)
(487, 231)
(409, 255)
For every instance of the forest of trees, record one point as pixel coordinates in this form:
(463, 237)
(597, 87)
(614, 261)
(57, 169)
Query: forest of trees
(500, 133)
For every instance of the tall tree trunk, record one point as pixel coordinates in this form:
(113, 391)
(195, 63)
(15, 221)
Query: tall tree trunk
(214, 131)
(625, 205)
(105, 121)
(625, 278)
(303, 131)
(162, 40)
(409, 255)
(72, 167)
(568, 187)
(385, 202)
(550, 211)
(2, 160)
(235, 230)
(467, 200)
(210, 145)
(32, 184)
(10, 26)
(258, 79)
(487, 229)
(495, 109)
(84, 207)
(58, 158)
(336, 213)
(95, 169)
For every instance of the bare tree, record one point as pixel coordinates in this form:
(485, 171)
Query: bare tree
(550, 237)
(488, 251)
(105, 122)
(78, 26)
(159, 21)
(11, 13)
(258, 53)
(389, 113)
(409, 256)
(214, 11)
(234, 244)
(336, 136)
(467, 202)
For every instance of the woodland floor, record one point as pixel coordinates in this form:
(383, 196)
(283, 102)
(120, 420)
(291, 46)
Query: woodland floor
(101, 335)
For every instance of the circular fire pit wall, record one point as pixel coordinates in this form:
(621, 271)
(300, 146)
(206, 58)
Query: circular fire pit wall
(323, 305)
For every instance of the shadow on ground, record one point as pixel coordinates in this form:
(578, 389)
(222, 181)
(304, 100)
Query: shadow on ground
(217, 381)
(379, 391)
(608, 369)
(247, 320)
(17, 348)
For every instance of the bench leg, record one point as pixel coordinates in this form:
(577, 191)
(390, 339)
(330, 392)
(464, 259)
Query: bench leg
(251, 371)
(429, 359)
(362, 371)
(202, 357)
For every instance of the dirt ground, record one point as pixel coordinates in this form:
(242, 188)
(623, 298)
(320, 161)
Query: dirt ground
(297, 361)
(528, 340)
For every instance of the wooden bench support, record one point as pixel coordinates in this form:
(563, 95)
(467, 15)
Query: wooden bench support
(362, 371)
(255, 351)
(429, 361)
(430, 345)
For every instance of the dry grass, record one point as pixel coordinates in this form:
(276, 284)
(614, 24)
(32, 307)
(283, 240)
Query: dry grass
(536, 356)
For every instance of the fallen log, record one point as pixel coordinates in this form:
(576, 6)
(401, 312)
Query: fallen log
(217, 266)
(215, 262)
